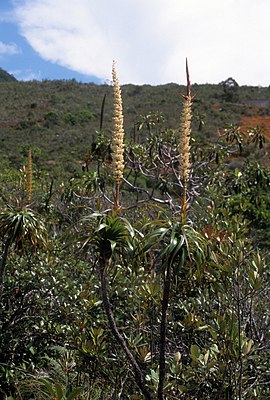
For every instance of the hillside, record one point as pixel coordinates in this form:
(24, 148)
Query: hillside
(61, 119)
(256, 120)
(6, 77)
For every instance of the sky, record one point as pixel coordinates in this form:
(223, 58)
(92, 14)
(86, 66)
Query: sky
(148, 39)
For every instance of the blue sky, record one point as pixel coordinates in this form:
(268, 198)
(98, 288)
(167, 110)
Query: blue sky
(148, 39)
(24, 62)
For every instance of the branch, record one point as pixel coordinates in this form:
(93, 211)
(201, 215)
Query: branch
(103, 264)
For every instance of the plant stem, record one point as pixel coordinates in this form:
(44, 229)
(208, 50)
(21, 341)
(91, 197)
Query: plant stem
(102, 113)
(117, 196)
(4, 265)
(239, 340)
(104, 264)
(163, 328)
(184, 204)
(29, 178)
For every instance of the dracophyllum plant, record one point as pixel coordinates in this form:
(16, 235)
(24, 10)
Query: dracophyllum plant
(180, 242)
(21, 227)
(111, 235)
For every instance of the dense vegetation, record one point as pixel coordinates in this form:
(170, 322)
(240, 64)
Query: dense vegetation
(105, 297)
(61, 119)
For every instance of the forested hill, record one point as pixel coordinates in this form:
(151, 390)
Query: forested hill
(6, 77)
(60, 119)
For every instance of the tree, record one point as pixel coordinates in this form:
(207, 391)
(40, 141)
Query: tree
(230, 90)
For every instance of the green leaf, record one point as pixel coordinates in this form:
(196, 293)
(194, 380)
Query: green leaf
(59, 391)
(113, 244)
(74, 394)
(195, 352)
(47, 386)
(101, 226)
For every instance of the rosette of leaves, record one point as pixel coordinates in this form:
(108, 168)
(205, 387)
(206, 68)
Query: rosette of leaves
(23, 229)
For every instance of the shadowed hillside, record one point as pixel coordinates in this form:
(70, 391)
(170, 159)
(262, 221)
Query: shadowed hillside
(5, 76)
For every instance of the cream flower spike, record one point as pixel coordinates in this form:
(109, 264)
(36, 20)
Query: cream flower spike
(184, 145)
(117, 144)
(184, 136)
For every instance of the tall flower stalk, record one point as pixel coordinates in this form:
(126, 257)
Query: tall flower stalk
(29, 178)
(184, 144)
(177, 234)
(117, 144)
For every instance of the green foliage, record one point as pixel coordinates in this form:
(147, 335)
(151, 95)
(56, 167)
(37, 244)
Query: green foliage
(81, 117)
(23, 227)
(110, 234)
(56, 340)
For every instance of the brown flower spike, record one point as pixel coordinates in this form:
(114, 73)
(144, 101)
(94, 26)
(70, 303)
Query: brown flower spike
(184, 142)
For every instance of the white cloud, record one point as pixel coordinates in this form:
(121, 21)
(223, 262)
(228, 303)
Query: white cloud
(26, 75)
(9, 49)
(150, 39)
